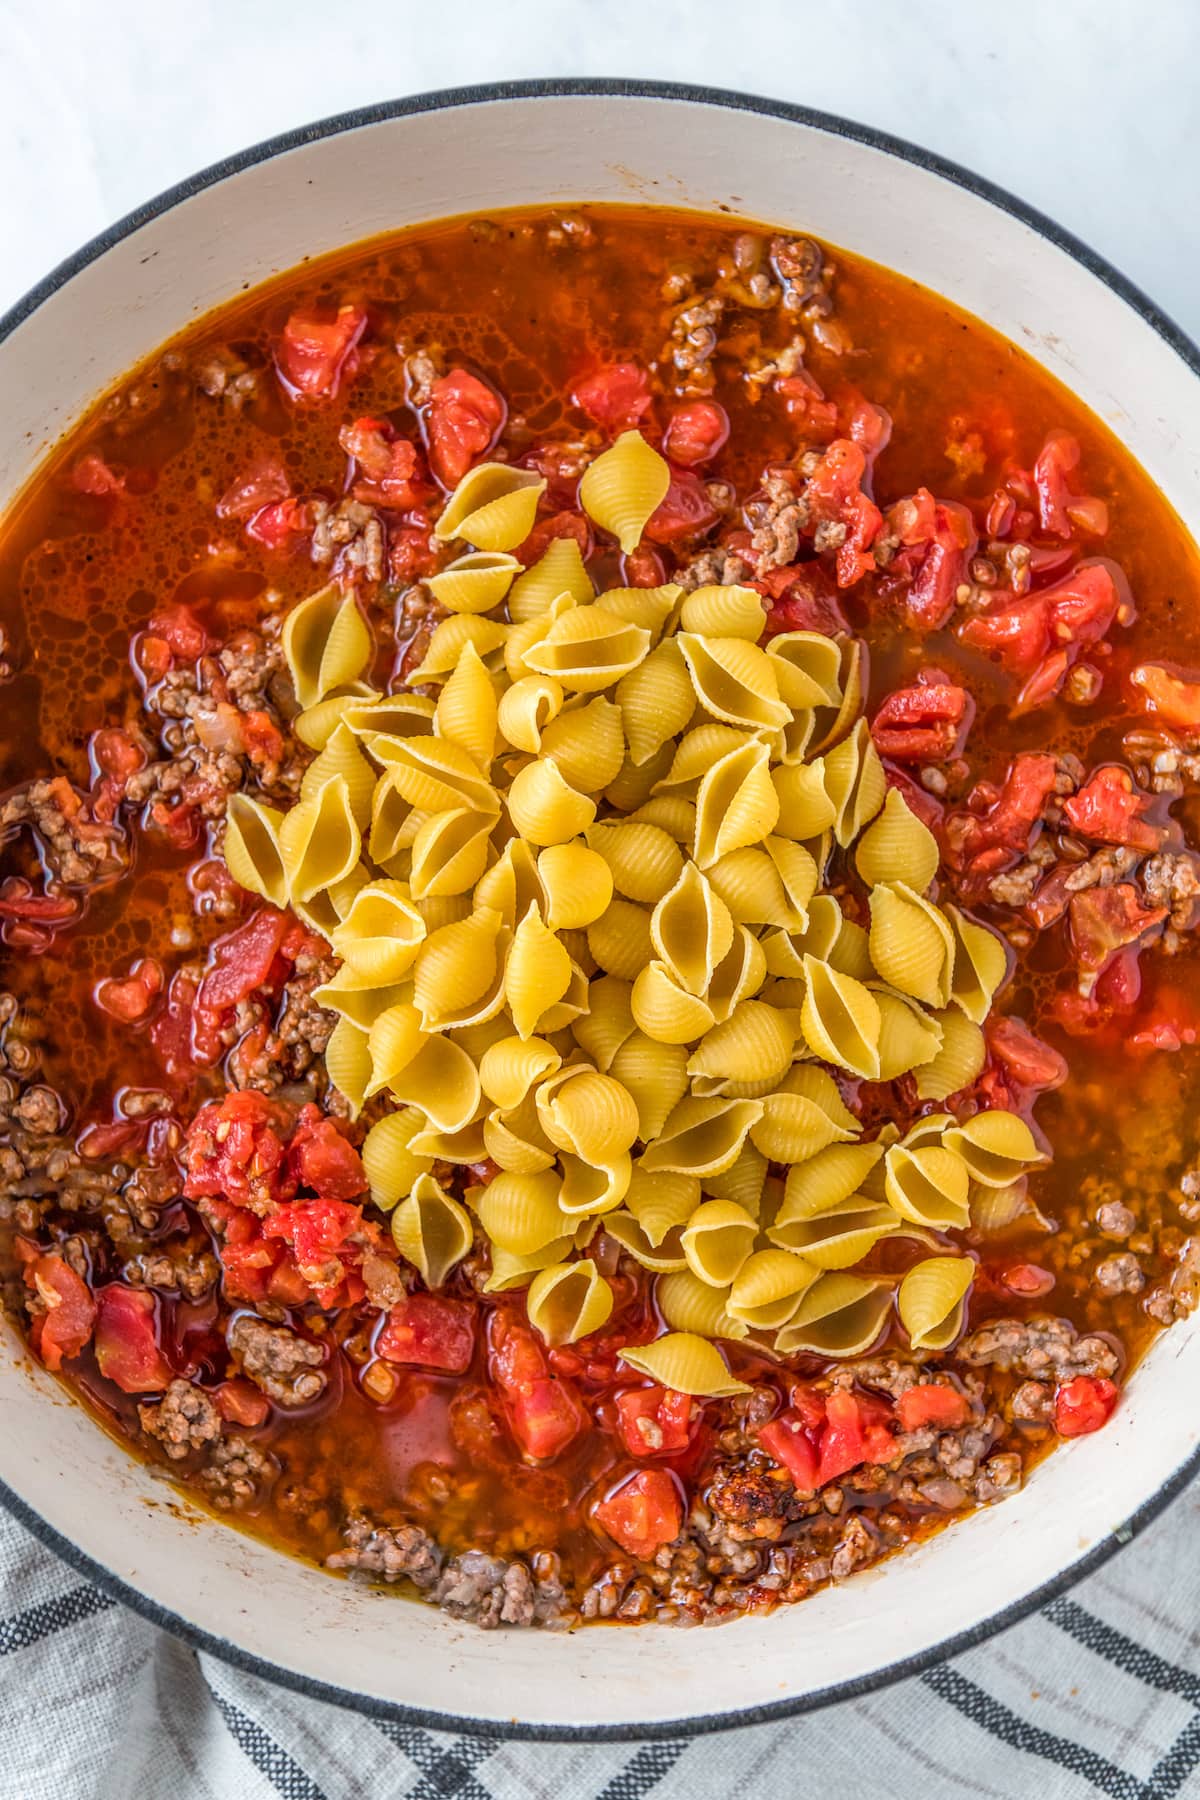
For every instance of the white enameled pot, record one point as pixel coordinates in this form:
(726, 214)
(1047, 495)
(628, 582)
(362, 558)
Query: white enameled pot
(475, 152)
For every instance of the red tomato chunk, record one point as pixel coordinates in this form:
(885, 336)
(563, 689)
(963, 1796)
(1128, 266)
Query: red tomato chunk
(1083, 1405)
(65, 1326)
(544, 1411)
(644, 1513)
(427, 1329)
(127, 1349)
(654, 1420)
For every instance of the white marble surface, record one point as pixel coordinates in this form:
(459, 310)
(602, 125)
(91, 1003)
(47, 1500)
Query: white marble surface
(1088, 108)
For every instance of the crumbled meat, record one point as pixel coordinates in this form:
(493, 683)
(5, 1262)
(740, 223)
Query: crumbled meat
(285, 1366)
(1116, 1220)
(237, 1474)
(1121, 1274)
(184, 1420)
(350, 535)
(491, 1591)
(76, 847)
(421, 369)
(713, 568)
(1172, 881)
(39, 1110)
(223, 375)
(1000, 1476)
(384, 1282)
(693, 342)
(1032, 1402)
(388, 1553)
(751, 1499)
(289, 1055)
(1181, 1295)
(776, 521)
(1016, 887)
(181, 1269)
(801, 268)
(1040, 1346)
(856, 1546)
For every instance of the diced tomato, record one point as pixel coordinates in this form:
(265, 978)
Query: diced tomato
(616, 397)
(1059, 509)
(1108, 810)
(389, 465)
(565, 524)
(115, 755)
(262, 738)
(242, 1403)
(643, 567)
(129, 998)
(544, 1412)
(1044, 684)
(110, 1138)
(787, 1441)
(260, 484)
(1085, 603)
(241, 961)
(314, 352)
(1028, 1063)
(803, 598)
(1171, 1021)
(843, 1443)
(1027, 1280)
(323, 1160)
(428, 1329)
(235, 1148)
(92, 475)
(923, 723)
(642, 1514)
(937, 539)
(1175, 698)
(806, 406)
(686, 511)
(62, 1331)
(1105, 920)
(411, 553)
(695, 433)
(181, 630)
(1016, 632)
(127, 1349)
(929, 1403)
(280, 525)
(654, 1420)
(834, 493)
(986, 840)
(1083, 1405)
(463, 419)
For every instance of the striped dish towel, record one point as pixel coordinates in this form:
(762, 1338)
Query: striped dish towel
(1097, 1694)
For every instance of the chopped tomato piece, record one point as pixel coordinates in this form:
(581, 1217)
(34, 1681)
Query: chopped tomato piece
(806, 406)
(462, 420)
(654, 1419)
(1083, 1405)
(988, 839)
(937, 539)
(182, 632)
(643, 567)
(1028, 1280)
(127, 1349)
(1084, 604)
(922, 723)
(929, 1403)
(615, 398)
(835, 496)
(1027, 1062)
(92, 475)
(235, 1148)
(695, 433)
(644, 1513)
(110, 1138)
(263, 482)
(1105, 920)
(66, 1326)
(411, 553)
(686, 511)
(323, 1160)
(1175, 698)
(786, 1440)
(431, 1330)
(544, 1412)
(242, 1403)
(278, 525)
(1108, 810)
(1059, 509)
(803, 598)
(563, 524)
(129, 998)
(843, 1444)
(241, 961)
(314, 353)
(1015, 632)
(390, 466)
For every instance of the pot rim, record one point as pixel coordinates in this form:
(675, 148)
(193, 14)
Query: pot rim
(1185, 348)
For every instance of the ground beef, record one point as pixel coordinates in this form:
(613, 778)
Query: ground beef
(693, 342)
(186, 1269)
(223, 375)
(776, 521)
(1016, 887)
(237, 1474)
(1032, 1402)
(40, 1111)
(285, 1366)
(800, 265)
(388, 1553)
(1039, 1347)
(383, 1280)
(492, 1591)
(1172, 881)
(289, 1056)
(1181, 1295)
(75, 847)
(856, 1546)
(1001, 1477)
(1116, 1220)
(183, 1421)
(422, 368)
(1121, 1274)
(713, 568)
(349, 537)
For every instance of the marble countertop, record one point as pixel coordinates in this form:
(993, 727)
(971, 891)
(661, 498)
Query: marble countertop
(1084, 107)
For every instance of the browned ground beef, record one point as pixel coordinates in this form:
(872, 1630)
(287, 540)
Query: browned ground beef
(183, 1421)
(285, 1366)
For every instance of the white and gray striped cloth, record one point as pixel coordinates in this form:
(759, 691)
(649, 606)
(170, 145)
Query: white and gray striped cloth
(1097, 1694)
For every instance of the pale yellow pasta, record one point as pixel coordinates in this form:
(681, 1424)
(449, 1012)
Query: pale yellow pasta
(735, 681)
(702, 1137)
(840, 1019)
(739, 974)
(588, 1114)
(928, 1184)
(251, 848)
(466, 1145)
(526, 708)
(348, 1063)
(510, 1069)
(655, 1076)
(837, 1236)
(431, 1230)
(326, 644)
(736, 804)
(342, 756)
(754, 1044)
(996, 1210)
(768, 1288)
(568, 1301)
(832, 723)
(665, 1010)
(909, 1038)
(643, 861)
(523, 637)
(656, 700)
(995, 1146)
(855, 782)
(671, 813)
(389, 716)
(379, 938)
(449, 853)
(960, 1057)
(620, 939)
(724, 612)
(755, 891)
(466, 709)
(489, 637)
(805, 808)
(493, 507)
(744, 1180)
(319, 841)
(649, 607)
(829, 1177)
(587, 743)
(589, 1190)
(636, 782)
(515, 1141)
(521, 1213)
(840, 1315)
(623, 486)
(911, 943)
(665, 1256)
(438, 910)
(691, 930)
(316, 724)
(459, 971)
(687, 1364)
(719, 1237)
(474, 583)
(536, 975)
(578, 884)
(348, 996)
(394, 825)
(587, 649)
(931, 1298)
(392, 1167)
(559, 571)
(690, 1305)
(512, 885)
(897, 847)
(608, 1022)
(661, 1203)
(435, 775)
(544, 809)
(698, 751)
(980, 965)
(808, 668)
(511, 1271)
(795, 1126)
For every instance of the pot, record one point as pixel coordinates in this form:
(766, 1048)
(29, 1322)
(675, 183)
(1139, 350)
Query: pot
(479, 150)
